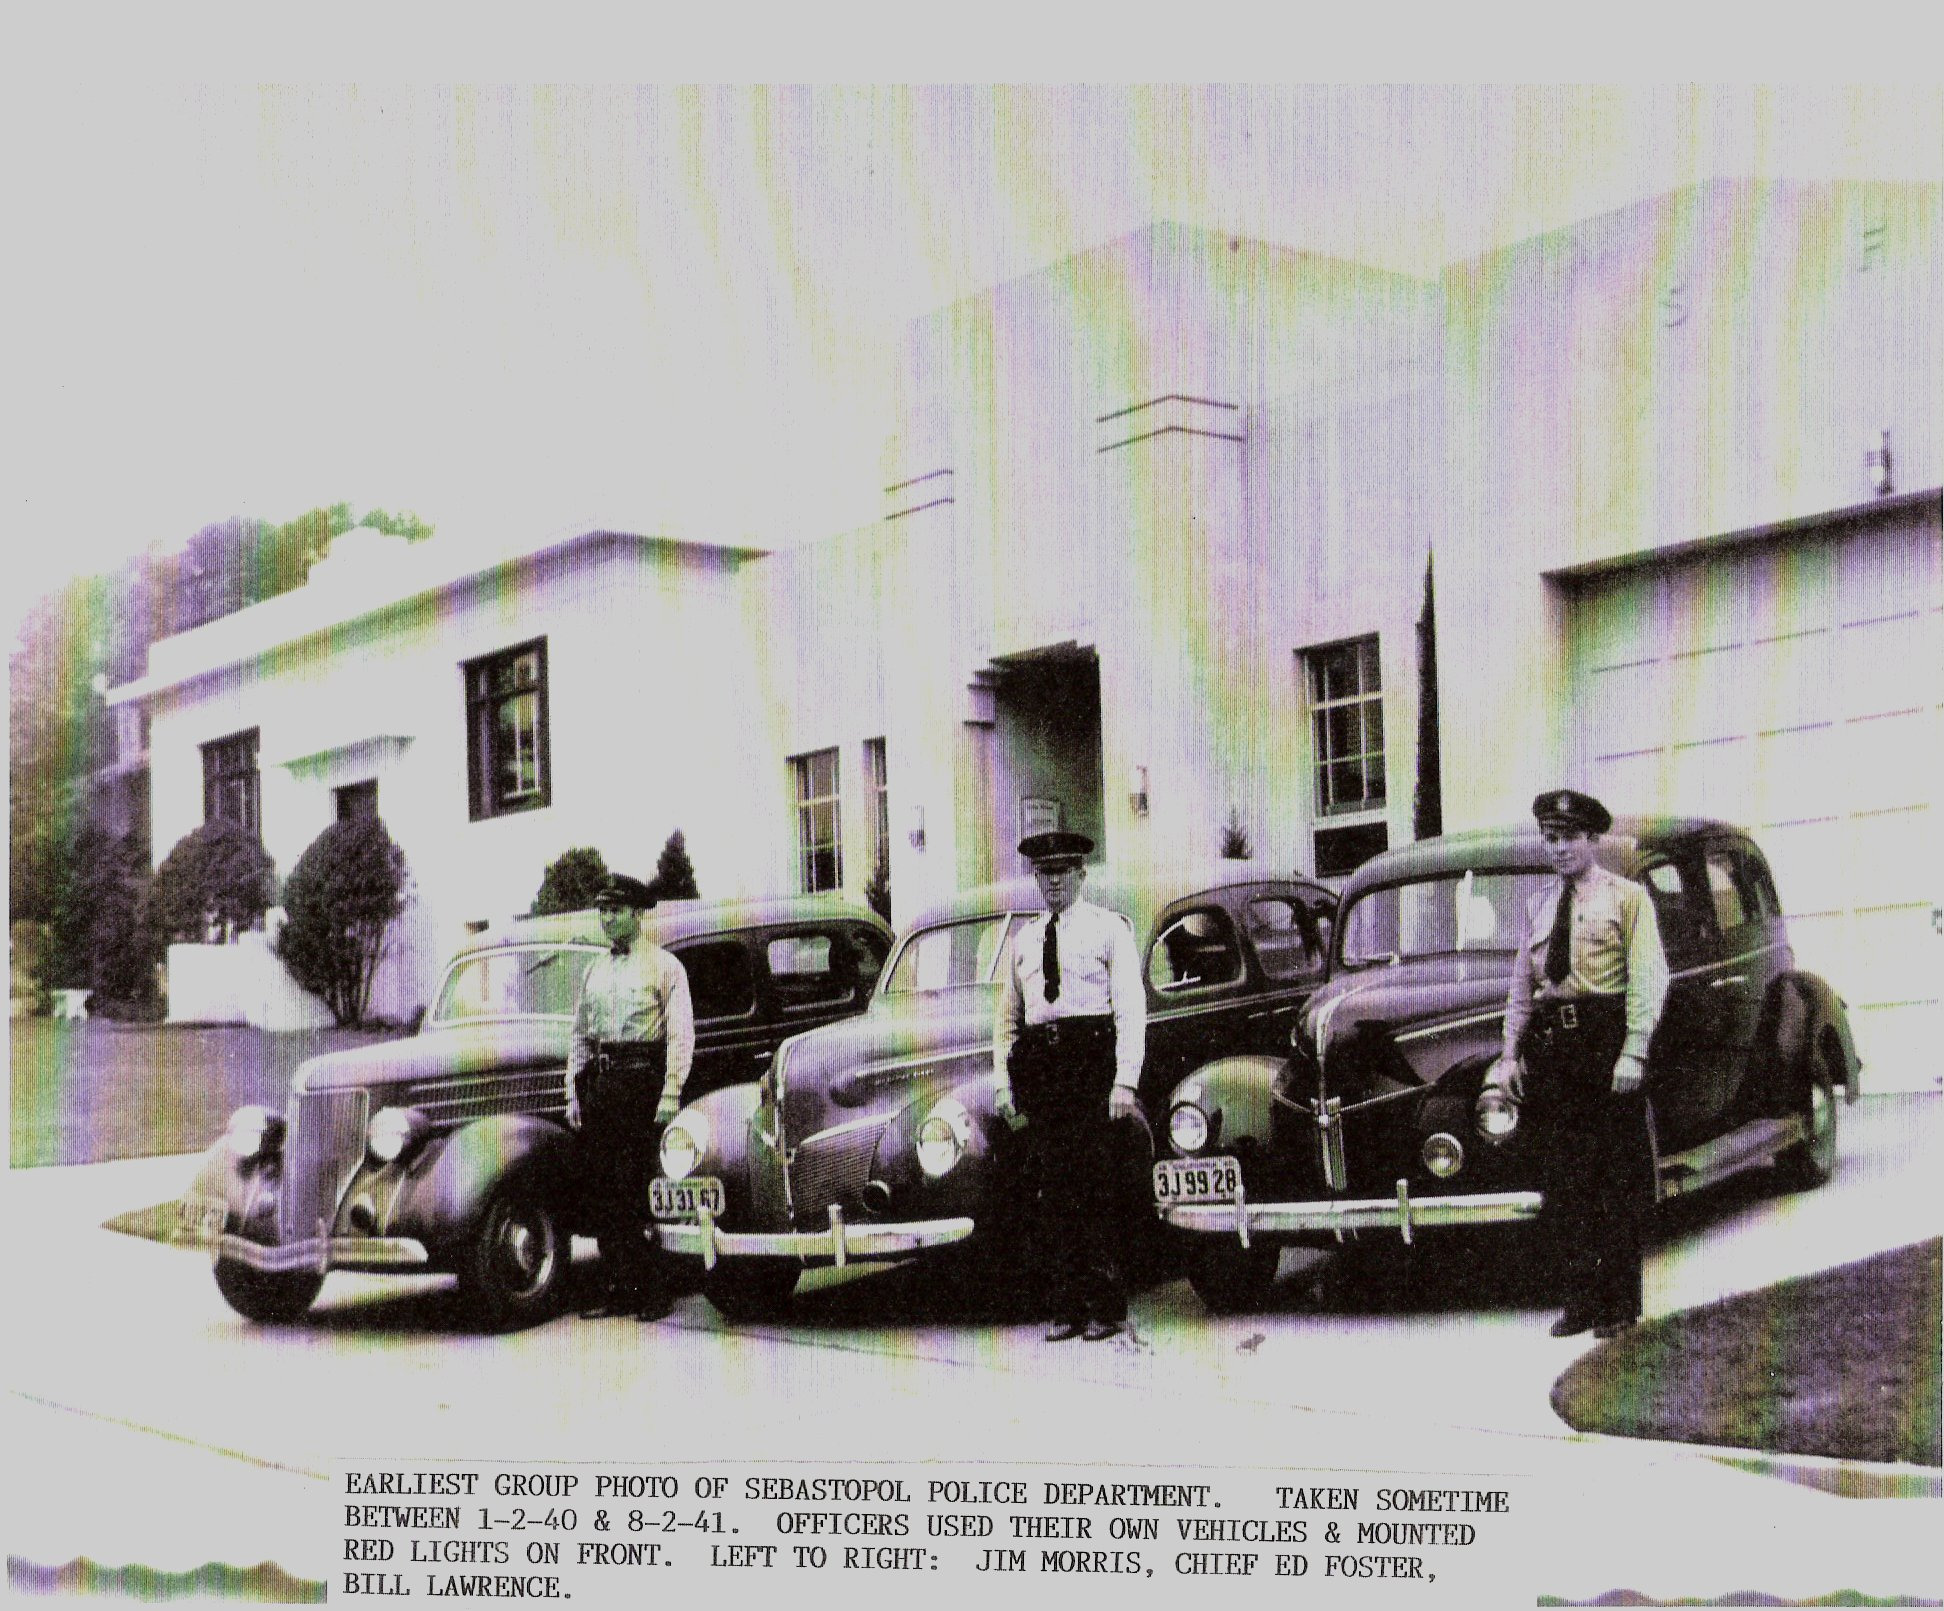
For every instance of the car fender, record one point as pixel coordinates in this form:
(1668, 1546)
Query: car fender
(1801, 1013)
(1239, 1096)
(449, 1181)
(250, 1190)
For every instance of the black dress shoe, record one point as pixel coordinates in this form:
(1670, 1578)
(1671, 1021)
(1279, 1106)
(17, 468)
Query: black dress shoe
(650, 1305)
(606, 1306)
(1571, 1324)
(1064, 1330)
(1100, 1330)
(1607, 1330)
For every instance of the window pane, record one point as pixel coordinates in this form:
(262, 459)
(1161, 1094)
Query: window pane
(1373, 725)
(721, 980)
(1367, 658)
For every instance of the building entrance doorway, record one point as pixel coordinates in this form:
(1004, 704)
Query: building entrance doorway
(1046, 767)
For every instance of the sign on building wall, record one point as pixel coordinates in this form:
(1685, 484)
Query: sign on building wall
(1037, 814)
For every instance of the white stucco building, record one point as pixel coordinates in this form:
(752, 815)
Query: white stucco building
(1152, 562)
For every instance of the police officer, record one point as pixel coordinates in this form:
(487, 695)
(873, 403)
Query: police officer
(1586, 992)
(1068, 1040)
(633, 1042)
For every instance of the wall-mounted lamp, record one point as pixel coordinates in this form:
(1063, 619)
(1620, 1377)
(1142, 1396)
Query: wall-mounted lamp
(1137, 790)
(1876, 462)
(915, 827)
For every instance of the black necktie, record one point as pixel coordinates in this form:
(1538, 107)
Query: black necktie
(1050, 958)
(1559, 944)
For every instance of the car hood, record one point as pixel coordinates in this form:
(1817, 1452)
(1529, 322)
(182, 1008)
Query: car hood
(837, 1061)
(1405, 995)
(505, 1046)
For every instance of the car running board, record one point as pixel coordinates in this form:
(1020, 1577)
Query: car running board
(1760, 1140)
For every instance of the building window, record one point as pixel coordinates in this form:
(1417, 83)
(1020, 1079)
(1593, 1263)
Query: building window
(357, 800)
(819, 852)
(877, 802)
(506, 731)
(1347, 727)
(230, 781)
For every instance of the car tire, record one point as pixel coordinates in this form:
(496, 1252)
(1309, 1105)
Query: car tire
(513, 1267)
(756, 1290)
(1810, 1163)
(268, 1297)
(1232, 1279)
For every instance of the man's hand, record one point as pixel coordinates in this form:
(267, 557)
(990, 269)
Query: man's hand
(1508, 1075)
(1002, 1105)
(667, 1107)
(1121, 1103)
(1628, 1073)
(573, 1113)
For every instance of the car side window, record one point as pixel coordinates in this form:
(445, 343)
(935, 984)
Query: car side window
(1725, 894)
(1757, 887)
(722, 979)
(1680, 926)
(805, 971)
(1196, 950)
(1288, 943)
(871, 949)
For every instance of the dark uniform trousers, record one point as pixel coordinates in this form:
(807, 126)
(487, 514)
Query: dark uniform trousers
(620, 1142)
(1061, 1076)
(1599, 1168)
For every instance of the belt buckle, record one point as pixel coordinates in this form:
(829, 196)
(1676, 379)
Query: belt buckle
(1568, 1015)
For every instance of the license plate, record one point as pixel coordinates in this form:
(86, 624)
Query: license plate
(1196, 1180)
(201, 1221)
(684, 1199)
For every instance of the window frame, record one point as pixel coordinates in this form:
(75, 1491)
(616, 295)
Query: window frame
(1319, 704)
(484, 757)
(218, 777)
(809, 846)
(877, 802)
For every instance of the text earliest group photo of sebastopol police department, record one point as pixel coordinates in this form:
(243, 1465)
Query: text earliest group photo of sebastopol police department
(1086, 843)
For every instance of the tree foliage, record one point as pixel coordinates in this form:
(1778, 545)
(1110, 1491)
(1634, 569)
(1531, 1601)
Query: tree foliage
(877, 893)
(1236, 844)
(98, 937)
(217, 877)
(674, 878)
(571, 882)
(341, 899)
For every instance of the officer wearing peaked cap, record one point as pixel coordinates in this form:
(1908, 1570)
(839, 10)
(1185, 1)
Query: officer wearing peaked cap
(1068, 1042)
(1586, 992)
(633, 1042)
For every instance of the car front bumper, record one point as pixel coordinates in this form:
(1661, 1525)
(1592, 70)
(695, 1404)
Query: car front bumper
(201, 1222)
(842, 1243)
(1402, 1213)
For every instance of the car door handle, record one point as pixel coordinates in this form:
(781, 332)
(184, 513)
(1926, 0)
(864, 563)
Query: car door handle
(1733, 981)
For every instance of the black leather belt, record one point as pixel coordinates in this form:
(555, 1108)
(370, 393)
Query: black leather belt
(1583, 1012)
(1055, 1030)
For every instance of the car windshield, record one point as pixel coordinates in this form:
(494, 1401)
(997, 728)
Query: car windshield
(950, 956)
(1461, 911)
(520, 982)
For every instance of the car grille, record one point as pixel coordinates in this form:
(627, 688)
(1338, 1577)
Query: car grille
(831, 1169)
(322, 1152)
(459, 1099)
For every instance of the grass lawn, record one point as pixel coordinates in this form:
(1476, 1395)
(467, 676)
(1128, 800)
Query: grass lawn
(88, 1092)
(1841, 1363)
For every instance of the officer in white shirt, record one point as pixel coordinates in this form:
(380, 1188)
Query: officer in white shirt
(633, 1042)
(1068, 1041)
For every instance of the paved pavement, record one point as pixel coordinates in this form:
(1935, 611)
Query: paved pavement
(168, 1431)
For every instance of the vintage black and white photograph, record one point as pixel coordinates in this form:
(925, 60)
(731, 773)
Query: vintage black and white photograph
(767, 836)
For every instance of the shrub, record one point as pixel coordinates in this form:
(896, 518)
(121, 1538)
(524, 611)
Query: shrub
(877, 893)
(217, 877)
(341, 898)
(570, 882)
(1235, 838)
(674, 878)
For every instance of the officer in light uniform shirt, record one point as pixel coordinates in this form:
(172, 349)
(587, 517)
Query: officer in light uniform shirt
(1586, 992)
(633, 1042)
(1068, 1041)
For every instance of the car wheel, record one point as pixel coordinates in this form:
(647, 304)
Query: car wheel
(758, 1290)
(1810, 1163)
(269, 1297)
(512, 1269)
(1232, 1279)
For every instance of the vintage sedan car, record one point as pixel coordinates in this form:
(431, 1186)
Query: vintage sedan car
(449, 1151)
(1381, 1123)
(876, 1139)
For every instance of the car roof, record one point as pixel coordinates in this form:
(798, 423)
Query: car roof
(673, 921)
(1137, 898)
(1622, 849)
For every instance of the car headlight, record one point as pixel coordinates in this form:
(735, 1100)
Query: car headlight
(1495, 1114)
(1442, 1154)
(253, 1132)
(944, 1137)
(683, 1143)
(391, 1131)
(1188, 1128)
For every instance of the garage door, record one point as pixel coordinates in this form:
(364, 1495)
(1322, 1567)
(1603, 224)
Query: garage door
(1794, 685)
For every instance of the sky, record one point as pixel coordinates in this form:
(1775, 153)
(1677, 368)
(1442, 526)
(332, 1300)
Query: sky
(677, 310)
